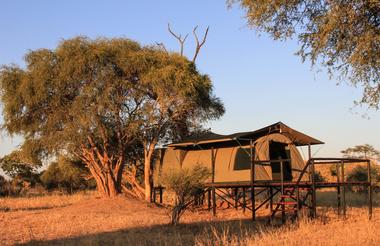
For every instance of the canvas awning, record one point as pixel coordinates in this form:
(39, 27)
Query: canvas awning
(298, 138)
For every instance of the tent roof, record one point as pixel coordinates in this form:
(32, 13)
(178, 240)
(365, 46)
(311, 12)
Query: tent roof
(298, 138)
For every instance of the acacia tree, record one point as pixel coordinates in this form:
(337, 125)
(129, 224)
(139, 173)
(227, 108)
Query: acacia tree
(343, 35)
(362, 151)
(92, 98)
(176, 104)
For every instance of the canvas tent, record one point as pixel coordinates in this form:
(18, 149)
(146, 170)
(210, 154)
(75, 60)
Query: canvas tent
(232, 154)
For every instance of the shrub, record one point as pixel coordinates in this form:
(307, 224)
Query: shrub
(360, 174)
(333, 170)
(318, 177)
(185, 183)
(67, 174)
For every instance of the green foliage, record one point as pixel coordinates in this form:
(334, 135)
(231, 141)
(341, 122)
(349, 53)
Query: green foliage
(362, 151)
(16, 165)
(342, 35)
(360, 174)
(333, 170)
(67, 174)
(100, 99)
(186, 183)
(318, 177)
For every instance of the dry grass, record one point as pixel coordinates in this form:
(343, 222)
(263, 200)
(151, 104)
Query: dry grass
(355, 230)
(45, 202)
(85, 219)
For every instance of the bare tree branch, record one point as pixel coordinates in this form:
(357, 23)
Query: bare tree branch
(199, 45)
(179, 38)
(162, 46)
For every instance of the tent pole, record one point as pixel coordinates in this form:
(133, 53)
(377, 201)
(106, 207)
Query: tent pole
(252, 182)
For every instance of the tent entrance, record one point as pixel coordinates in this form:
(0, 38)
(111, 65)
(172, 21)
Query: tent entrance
(278, 151)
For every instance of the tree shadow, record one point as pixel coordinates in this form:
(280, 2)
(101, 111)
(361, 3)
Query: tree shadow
(8, 209)
(353, 199)
(182, 234)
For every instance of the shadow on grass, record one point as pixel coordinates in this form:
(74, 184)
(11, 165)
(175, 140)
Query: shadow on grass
(353, 199)
(8, 209)
(211, 233)
(183, 234)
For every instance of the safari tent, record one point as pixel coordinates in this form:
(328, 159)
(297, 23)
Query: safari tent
(232, 161)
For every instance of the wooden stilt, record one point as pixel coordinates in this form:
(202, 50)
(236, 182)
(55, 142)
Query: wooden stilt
(236, 198)
(338, 188)
(344, 190)
(253, 200)
(209, 199)
(283, 216)
(214, 201)
(369, 190)
(271, 199)
(244, 202)
(213, 181)
(314, 191)
(161, 194)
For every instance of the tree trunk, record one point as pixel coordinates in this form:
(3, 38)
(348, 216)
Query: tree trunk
(147, 180)
(106, 171)
(148, 153)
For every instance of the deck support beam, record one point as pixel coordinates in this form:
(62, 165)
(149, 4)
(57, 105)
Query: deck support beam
(369, 189)
(253, 200)
(344, 190)
(213, 181)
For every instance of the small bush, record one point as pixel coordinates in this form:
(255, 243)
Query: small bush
(333, 171)
(185, 183)
(318, 177)
(66, 174)
(360, 174)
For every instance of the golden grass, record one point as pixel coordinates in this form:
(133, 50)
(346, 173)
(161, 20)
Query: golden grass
(355, 230)
(38, 202)
(86, 220)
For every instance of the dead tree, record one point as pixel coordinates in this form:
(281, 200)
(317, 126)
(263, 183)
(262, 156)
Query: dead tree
(198, 43)
(179, 38)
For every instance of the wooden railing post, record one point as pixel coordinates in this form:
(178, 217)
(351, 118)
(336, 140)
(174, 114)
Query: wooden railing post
(313, 190)
(213, 181)
(282, 190)
(244, 201)
(344, 189)
(338, 188)
(369, 189)
(253, 200)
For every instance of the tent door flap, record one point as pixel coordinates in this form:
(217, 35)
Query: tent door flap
(278, 151)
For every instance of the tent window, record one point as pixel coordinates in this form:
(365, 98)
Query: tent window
(242, 159)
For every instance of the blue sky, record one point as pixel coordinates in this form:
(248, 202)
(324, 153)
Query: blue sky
(259, 80)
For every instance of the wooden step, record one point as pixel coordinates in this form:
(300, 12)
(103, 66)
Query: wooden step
(286, 203)
(288, 196)
(300, 188)
(287, 210)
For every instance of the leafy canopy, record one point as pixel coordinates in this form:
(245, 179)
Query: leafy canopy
(16, 164)
(66, 173)
(343, 35)
(362, 151)
(101, 89)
